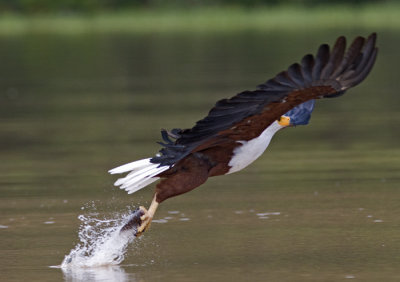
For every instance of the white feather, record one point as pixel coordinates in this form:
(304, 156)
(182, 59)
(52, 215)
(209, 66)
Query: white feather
(135, 174)
(141, 174)
(153, 171)
(130, 166)
(137, 187)
(143, 180)
(251, 150)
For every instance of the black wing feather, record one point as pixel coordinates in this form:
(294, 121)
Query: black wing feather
(352, 53)
(321, 60)
(307, 64)
(335, 57)
(294, 72)
(335, 70)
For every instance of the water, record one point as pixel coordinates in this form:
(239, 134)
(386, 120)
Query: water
(321, 204)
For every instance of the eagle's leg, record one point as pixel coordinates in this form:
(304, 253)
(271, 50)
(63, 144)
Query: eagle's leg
(147, 217)
(189, 174)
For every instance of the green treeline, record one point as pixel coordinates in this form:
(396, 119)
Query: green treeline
(82, 6)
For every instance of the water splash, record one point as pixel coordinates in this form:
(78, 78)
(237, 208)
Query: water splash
(101, 243)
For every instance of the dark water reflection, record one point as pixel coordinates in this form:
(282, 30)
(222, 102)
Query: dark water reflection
(321, 204)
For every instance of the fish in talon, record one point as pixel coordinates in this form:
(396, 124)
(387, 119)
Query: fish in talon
(134, 221)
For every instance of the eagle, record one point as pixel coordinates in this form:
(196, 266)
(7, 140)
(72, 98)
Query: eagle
(238, 130)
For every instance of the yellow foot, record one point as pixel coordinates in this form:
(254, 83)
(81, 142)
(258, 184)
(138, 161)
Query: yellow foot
(146, 221)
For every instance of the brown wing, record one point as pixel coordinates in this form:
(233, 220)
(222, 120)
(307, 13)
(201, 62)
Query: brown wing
(247, 114)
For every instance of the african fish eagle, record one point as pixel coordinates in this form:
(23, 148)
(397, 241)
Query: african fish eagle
(237, 131)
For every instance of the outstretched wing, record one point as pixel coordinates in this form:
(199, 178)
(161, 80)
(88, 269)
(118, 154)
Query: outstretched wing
(244, 116)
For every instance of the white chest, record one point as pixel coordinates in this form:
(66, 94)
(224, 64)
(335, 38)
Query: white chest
(252, 149)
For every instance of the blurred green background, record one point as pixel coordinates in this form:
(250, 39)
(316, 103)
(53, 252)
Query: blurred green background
(71, 16)
(85, 6)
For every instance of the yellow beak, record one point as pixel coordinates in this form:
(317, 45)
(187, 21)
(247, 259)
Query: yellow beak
(284, 121)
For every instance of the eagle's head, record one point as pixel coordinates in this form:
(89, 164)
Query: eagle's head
(299, 115)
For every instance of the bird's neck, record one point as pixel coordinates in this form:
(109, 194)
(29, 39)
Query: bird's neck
(271, 130)
(250, 150)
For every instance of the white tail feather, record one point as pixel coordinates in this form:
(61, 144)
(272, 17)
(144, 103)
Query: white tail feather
(141, 174)
(137, 187)
(133, 174)
(130, 166)
(138, 176)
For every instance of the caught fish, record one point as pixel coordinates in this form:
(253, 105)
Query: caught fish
(134, 222)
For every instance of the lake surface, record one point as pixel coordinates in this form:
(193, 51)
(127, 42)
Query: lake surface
(323, 203)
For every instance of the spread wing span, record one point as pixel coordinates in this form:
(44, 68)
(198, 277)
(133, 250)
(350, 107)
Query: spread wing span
(329, 74)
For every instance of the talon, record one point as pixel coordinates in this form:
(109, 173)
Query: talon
(144, 225)
(145, 211)
(141, 219)
(134, 221)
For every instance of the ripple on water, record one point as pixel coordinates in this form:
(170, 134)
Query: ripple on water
(267, 215)
(104, 273)
(49, 222)
(173, 212)
(162, 220)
